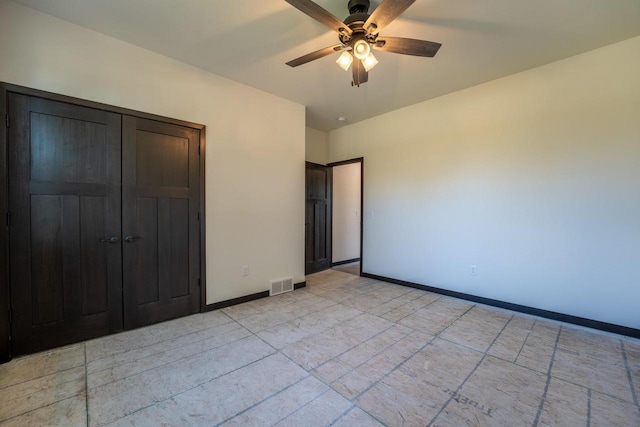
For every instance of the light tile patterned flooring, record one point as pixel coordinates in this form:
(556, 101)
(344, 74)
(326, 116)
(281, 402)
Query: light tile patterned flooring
(351, 268)
(345, 351)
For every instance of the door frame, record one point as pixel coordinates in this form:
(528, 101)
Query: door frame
(5, 309)
(5, 89)
(348, 162)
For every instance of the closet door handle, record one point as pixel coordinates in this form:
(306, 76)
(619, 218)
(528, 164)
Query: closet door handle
(112, 240)
(131, 239)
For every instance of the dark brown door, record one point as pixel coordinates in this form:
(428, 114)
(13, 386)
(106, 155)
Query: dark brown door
(317, 218)
(65, 255)
(160, 202)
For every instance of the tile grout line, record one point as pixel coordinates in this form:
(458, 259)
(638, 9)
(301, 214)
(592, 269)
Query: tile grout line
(284, 355)
(402, 304)
(86, 385)
(157, 342)
(397, 308)
(457, 391)
(460, 317)
(352, 401)
(525, 341)
(269, 397)
(311, 374)
(343, 414)
(293, 318)
(318, 397)
(37, 409)
(159, 352)
(473, 349)
(364, 342)
(435, 336)
(41, 376)
(155, 403)
(382, 303)
(629, 376)
(546, 386)
(190, 356)
(425, 306)
(321, 296)
(2, 421)
(563, 379)
(347, 283)
(589, 408)
(313, 334)
(356, 397)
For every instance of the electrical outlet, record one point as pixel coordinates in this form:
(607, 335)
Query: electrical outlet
(245, 270)
(473, 270)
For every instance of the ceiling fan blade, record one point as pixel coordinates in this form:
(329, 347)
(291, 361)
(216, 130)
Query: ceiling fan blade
(315, 55)
(360, 75)
(321, 15)
(408, 46)
(385, 13)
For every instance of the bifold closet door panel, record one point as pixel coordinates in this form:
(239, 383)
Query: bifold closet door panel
(65, 208)
(160, 198)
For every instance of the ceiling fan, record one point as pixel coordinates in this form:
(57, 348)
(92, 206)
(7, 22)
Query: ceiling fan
(358, 34)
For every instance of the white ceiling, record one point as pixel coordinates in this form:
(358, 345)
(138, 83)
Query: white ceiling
(249, 41)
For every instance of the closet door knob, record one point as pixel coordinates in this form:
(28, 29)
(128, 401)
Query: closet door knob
(112, 240)
(131, 239)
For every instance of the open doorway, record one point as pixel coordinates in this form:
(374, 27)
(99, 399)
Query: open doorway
(333, 216)
(346, 216)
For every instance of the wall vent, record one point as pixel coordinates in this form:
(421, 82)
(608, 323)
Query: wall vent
(281, 286)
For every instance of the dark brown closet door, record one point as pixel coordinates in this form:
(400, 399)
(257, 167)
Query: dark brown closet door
(65, 256)
(160, 201)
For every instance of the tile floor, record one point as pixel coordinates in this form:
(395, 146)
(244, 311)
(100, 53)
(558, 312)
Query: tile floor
(351, 268)
(345, 351)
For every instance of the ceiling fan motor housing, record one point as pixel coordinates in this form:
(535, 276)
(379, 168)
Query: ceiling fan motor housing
(359, 13)
(358, 6)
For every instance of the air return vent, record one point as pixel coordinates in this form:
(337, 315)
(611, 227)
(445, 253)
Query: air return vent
(281, 286)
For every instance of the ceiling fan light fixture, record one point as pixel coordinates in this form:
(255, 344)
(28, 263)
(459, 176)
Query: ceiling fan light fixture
(369, 62)
(361, 49)
(344, 61)
(358, 35)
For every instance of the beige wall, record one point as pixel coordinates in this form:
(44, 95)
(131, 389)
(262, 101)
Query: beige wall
(316, 146)
(254, 174)
(533, 178)
(346, 212)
